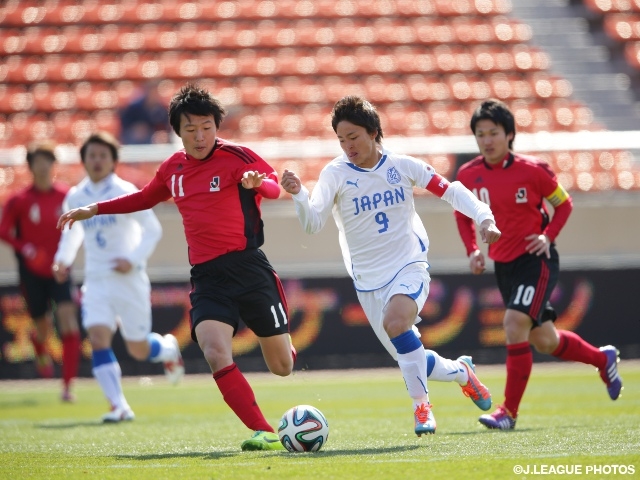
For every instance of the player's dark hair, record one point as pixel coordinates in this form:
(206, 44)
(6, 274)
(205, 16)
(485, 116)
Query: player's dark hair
(46, 149)
(194, 100)
(498, 113)
(358, 111)
(102, 138)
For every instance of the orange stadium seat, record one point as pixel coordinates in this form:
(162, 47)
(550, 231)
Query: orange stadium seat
(613, 6)
(623, 27)
(632, 54)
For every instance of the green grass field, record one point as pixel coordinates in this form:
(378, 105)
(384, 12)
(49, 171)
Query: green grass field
(566, 419)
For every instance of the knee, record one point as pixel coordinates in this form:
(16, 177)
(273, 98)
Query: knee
(282, 368)
(544, 345)
(394, 326)
(216, 358)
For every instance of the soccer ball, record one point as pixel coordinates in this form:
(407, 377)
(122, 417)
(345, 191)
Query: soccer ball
(303, 429)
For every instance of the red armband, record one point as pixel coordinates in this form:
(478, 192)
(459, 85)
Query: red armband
(438, 185)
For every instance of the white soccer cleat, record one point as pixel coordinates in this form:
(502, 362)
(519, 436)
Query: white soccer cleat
(174, 369)
(118, 414)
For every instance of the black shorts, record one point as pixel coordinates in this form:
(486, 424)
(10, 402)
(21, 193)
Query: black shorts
(527, 282)
(239, 285)
(41, 293)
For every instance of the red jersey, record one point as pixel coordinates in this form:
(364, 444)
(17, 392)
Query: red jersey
(219, 215)
(31, 217)
(514, 189)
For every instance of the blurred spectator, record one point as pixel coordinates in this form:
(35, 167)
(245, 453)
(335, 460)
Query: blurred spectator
(145, 120)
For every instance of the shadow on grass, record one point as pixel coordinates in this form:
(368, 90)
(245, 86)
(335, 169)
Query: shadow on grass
(27, 402)
(219, 455)
(163, 456)
(62, 426)
(486, 431)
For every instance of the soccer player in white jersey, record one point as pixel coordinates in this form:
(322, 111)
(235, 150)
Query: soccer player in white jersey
(116, 290)
(384, 244)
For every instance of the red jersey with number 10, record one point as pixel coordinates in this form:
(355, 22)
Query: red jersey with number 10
(514, 189)
(219, 215)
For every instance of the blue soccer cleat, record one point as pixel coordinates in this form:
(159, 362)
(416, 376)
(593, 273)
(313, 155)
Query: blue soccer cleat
(501, 419)
(474, 388)
(610, 374)
(425, 421)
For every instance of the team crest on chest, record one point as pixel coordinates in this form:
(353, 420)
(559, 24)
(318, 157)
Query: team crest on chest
(521, 195)
(393, 176)
(214, 186)
(34, 213)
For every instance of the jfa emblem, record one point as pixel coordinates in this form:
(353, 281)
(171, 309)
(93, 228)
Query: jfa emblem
(393, 176)
(215, 185)
(521, 195)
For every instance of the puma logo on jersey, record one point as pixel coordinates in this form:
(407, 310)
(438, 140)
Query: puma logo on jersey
(355, 184)
(215, 184)
(521, 195)
(405, 286)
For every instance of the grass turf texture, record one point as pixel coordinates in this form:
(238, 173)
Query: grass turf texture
(189, 432)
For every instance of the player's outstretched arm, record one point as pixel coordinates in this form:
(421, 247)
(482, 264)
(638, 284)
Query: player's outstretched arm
(489, 232)
(76, 214)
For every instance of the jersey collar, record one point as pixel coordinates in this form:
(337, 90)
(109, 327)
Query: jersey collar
(505, 163)
(378, 165)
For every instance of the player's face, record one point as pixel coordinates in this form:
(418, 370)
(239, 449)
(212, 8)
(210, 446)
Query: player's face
(41, 168)
(492, 141)
(98, 161)
(198, 135)
(359, 146)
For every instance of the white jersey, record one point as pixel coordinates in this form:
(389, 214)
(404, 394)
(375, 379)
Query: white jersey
(379, 230)
(131, 236)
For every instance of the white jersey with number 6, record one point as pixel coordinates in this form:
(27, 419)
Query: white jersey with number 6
(379, 230)
(132, 236)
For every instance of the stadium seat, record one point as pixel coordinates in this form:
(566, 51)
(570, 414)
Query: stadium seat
(613, 6)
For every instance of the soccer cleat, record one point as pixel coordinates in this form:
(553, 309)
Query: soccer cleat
(425, 421)
(474, 388)
(44, 366)
(262, 441)
(118, 414)
(610, 374)
(174, 370)
(500, 419)
(67, 396)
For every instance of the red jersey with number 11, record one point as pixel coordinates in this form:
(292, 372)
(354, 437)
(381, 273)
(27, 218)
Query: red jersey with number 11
(219, 215)
(514, 189)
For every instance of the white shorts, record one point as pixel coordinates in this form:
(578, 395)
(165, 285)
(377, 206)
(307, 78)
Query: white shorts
(412, 281)
(119, 300)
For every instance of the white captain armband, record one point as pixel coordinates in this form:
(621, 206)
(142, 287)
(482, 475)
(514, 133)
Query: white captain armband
(558, 196)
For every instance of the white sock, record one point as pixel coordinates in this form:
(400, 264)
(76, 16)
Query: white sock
(443, 369)
(109, 377)
(414, 370)
(166, 350)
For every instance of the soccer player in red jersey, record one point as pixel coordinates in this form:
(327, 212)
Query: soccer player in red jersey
(526, 260)
(29, 225)
(218, 186)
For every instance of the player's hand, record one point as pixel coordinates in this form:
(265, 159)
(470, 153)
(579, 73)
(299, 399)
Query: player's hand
(476, 262)
(252, 179)
(122, 265)
(60, 272)
(290, 182)
(76, 214)
(489, 232)
(538, 244)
